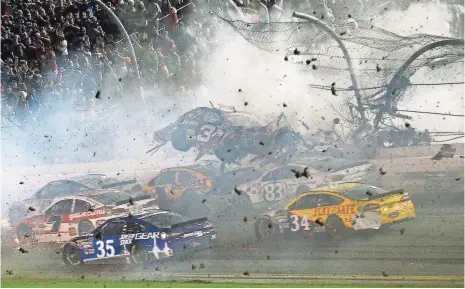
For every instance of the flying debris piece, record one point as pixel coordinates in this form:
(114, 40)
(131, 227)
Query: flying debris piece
(313, 66)
(382, 172)
(21, 183)
(97, 95)
(385, 274)
(284, 104)
(407, 125)
(31, 209)
(245, 219)
(22, 250)
(193, 266)
(304, 125)
(204, 200)
(98, 235)
(239, 192)
(9, 272)
(320, 222)
(402, 231)
(336, 121)
(246, 103)
(285, 58)
(202, 266)
(305, 173)
(378, 69)
(333, 88)
(369, 193)
(308, 61)
(240, 90)
(296, 173)
(131, 201)
(296, 52)
(246, 273)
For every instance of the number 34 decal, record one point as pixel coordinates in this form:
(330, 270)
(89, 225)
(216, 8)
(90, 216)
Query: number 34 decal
(296, 225)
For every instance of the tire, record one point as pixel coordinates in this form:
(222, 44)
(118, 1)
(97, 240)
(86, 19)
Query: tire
(71, 256)
(180, 141)
(85, 227)
(335, 229)
(264, 228)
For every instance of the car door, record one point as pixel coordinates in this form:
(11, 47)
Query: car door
(277, 184)
(56, 221)
(106, 243)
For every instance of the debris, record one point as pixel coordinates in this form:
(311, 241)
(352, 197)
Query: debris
(21, 183)
(313, 66)
(305, 173)
(308, 61)
(270, 226)
(285, 58)
(246, 273)
(202, 266)
(382, 172)
(336, 121)
(319, 222)
(261, 143)
(31, 209)
(9, 272)
(378, 69)
(343, 33)
(296, 52)
(98, 235)
(246, 103)
(245, 219)
(193, 266)
(268, 257)
(82, 277)
(458, 179)
(407, 125)
(22, 250)
(131, 201)
(91, 209)
(333, 88)
(402, 231)
(284, 104)
(237, 191)
(296, 173)
(240, 90)
(369, 193)
(446, 151)
(335, 252)
(204, 200)
(385, 274)
(97, 95)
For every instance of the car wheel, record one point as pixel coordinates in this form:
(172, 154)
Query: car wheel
(180, 141)
(264, 228)
(85, 227)
(72, 257)
(335, 229)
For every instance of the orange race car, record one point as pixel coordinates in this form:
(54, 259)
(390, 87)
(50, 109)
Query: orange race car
(338, 210)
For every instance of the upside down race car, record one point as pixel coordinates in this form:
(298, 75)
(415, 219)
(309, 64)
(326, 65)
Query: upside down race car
(141, 239)
(338, 210)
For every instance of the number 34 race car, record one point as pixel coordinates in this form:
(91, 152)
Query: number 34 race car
(141, 239)
(336, 211)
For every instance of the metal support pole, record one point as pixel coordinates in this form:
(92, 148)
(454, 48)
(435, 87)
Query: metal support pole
(353, 76)
(128, 39)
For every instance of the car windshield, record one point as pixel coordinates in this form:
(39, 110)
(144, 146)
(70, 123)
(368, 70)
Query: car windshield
(96, 182)
(165, 220)
(361, 192)
(244, 120)
(111, 198)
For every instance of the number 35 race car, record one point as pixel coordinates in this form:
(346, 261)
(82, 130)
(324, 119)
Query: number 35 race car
(141, 239)
(336, 211)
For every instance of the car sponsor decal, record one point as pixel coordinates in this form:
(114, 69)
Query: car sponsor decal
(196, 234)
(343, 209)
(127, 239)
(87, 214)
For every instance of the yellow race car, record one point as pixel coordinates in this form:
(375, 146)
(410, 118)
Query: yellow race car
(337, 210)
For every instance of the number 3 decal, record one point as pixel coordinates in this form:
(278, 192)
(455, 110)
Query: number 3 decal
(273, 192)
(206, 132)
(295, 226)
(108, 251)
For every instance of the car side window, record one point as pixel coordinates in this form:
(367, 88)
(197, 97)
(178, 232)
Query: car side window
(333, 200)
(280, 174)
(306, 202)
(114, 228)
(82, 206)
(62, 207)
(134, 228)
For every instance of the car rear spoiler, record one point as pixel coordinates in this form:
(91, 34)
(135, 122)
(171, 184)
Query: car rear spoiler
(204, 219)
(390, 193)
(145, 197)
(119, 184)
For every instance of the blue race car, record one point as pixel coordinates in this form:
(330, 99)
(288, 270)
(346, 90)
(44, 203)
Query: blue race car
(140, 239)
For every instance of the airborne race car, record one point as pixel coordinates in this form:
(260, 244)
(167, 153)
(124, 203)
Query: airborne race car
(229, 135)
(142, 239)
(335, 211)
(72, 216)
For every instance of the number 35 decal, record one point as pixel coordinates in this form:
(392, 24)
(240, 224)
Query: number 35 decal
(295, 225)
(205, 133)
(108, 251)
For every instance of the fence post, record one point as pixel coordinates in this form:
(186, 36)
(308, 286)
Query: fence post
(353, 76)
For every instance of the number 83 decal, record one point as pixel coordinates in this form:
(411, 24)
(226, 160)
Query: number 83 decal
(273, 192)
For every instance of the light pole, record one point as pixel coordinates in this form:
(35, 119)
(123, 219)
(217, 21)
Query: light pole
(128, 39)
(353, 77)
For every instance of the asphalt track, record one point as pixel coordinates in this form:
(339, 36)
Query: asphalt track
(429, 247)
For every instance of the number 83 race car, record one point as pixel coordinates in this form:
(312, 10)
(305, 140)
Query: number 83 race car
(336, 211)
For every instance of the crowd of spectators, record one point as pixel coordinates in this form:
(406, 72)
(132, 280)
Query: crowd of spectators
(66, 51)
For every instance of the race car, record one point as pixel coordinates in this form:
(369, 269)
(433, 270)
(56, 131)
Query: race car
(141, 239)
(77, 215)
(336, 211)
(61, 188)
(199, 190)
(278, 182)
(229, 135)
